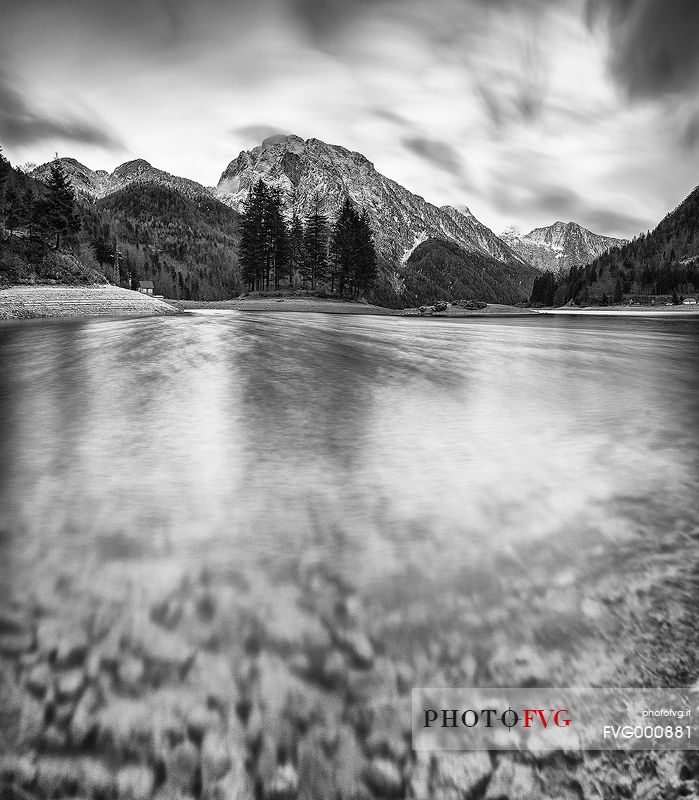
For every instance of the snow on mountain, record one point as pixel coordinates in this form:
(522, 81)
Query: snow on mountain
(560, 246)
(97, 184)
(399, 218)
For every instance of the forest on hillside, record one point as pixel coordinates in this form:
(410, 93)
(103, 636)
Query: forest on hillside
(441, 270)
(192, 249)
(663, 262)
(41, 234)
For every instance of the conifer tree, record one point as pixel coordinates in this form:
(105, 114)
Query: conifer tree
(344, 247)
(276, 242)
(366, 264)
(315, 239)
(296, 249)
(618, 293)
(252, 245)
(30, 209)
(4, 171)
(59, 207)
(103, 252)
(13, 208)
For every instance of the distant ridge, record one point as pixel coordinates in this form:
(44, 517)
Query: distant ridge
(95, 184)
(560, 246)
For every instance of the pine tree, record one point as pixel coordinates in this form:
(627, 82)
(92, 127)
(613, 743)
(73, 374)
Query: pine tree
(103, 251)
(252, 238)
(296, 248)
(366, 265)
(276, 242)
(4, 171)
(344, 247)
(30, 209)
(59, 207)
(14, 211)
(315, 263)
(618, 293)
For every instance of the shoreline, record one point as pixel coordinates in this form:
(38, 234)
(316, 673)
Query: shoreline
(26, 302)
(314, 305)
(692, 310)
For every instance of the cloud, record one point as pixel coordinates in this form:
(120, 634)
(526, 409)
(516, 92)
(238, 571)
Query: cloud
(553, 202)
(653, 44)
(257, 132)
(22, 124)
(439, 154)
(610, 219)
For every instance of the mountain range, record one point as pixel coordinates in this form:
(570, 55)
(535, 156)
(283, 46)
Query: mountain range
(149, 225)
(95, 184)
(560, 246)
(400, 219)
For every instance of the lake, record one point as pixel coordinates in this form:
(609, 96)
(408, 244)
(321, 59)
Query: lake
(505, 501)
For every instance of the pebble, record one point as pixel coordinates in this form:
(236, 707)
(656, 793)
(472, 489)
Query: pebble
(511, 781)
(315, 772)
(69, 684)
(62, 713)
(419, 778)
(14, 622)
(18, 769)
(71, 649)
(135, 782)
(283, 784)
(97, 779)
(335, 669)
(181, 765)
(56, 776)
(384, 777)
(130, 673)
(459, 774)
(236, 785)
(40, 679)
(31, 721)
(84, 720)
(14, 644)
(357, 644)
(216, 757)
(164, 651)
(54, 738)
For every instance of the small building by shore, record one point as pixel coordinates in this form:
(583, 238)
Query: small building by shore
(146, 287)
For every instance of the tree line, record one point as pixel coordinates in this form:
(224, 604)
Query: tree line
(314, 253)
(41, 217)
(145, 231)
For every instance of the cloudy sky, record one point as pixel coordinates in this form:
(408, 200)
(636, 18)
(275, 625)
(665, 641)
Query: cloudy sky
(527, 111)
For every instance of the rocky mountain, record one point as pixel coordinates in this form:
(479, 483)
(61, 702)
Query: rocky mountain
(560, 246)
(400, 219)
(95, 184)
(305, 170)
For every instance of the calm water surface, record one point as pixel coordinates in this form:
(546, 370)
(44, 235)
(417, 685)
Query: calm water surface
(392, 449)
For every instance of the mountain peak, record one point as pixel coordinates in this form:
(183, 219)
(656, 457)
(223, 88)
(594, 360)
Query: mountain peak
(100, 183)
(281, 138)
(559, 246)
(135, 167)
(400, 219)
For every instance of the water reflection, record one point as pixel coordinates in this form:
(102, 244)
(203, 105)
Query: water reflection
(387, 444)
